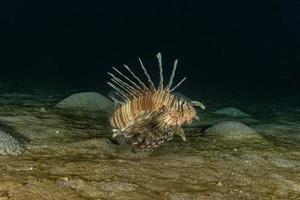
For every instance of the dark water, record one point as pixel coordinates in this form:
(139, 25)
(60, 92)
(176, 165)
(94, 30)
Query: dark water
(68, 155)
(241, 54)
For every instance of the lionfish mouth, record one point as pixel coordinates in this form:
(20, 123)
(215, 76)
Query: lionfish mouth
(147, 116)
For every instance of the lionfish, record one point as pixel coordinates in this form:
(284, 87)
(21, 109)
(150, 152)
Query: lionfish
(147, 116)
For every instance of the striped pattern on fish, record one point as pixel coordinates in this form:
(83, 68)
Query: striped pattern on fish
(148, 116)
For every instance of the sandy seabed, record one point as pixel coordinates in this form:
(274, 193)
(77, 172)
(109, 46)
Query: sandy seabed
(70, 155)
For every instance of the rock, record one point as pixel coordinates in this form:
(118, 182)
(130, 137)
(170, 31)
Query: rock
(220, 184)
(232, 112)
(43, 110)
(9, 145)
(285, 163)
(233, 130)
(88, 101)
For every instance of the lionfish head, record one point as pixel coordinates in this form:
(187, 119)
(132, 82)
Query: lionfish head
(185, 112)
(196, 104)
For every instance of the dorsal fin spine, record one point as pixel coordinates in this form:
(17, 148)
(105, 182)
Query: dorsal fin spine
(161, 77)
(152, 87)
(172, 75)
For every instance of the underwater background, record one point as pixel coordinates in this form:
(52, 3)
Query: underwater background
(241, 59)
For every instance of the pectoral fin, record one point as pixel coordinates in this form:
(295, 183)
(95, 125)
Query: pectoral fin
(180, 132)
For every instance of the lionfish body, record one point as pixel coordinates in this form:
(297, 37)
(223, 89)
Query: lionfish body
(148, 116)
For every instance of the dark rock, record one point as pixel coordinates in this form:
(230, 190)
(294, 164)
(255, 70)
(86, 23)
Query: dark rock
(89, 101)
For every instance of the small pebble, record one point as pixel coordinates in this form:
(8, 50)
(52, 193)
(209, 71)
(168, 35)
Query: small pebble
(43, 110)
(220, 183)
